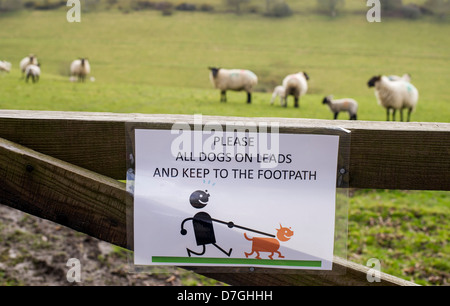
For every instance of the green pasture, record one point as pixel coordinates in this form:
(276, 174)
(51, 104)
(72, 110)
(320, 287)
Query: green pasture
(144, 62)
(148, 63)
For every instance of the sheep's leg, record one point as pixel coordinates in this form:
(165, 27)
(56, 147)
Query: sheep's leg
(335, 115)
(401, 114)
(223, 96)
(387, 114)
(296, 100)
(249, 97)
(393, 114)
(409, 113)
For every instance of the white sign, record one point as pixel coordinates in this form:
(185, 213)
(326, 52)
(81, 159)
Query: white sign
(226, 199)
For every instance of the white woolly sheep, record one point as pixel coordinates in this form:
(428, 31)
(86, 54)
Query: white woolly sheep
(395, 95)
(33, 71)
(29, 60)
(278, 91)
(295, 85)
(80, 68)
(406, 77)
(233, 79)
(342, 105)
(5, 66)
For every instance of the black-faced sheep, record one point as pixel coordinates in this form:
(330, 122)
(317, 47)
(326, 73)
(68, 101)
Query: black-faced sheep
(395, 95)
(80, 68)
(33, 72)
(295, 85)
(342, 105)
(233, 79)
(29, 60)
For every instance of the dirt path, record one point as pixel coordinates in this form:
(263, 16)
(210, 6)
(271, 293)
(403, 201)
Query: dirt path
(34, 252)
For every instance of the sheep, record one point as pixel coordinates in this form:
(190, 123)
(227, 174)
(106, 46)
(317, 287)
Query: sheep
(295, 85)
(33, 71)
(278, 91)
(5, 66)
(233, 79)
(80, 68)
(341, 105)
(395, 95)
(406, 77)
(29, 60)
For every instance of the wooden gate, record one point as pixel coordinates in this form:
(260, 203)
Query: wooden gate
(66, 167)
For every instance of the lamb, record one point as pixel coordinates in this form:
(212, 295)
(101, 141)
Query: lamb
(5, 66)
(341, 105)
(80, 68)
(33, 71)
(395, 95)
(233, 79)
(295, 85)
(29, 60)
(278, 91)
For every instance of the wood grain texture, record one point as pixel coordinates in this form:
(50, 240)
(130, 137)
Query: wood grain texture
(384, 155)
(55, 190)
(344, 273)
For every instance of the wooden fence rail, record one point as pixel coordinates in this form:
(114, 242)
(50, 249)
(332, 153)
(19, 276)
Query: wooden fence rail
(64, 166)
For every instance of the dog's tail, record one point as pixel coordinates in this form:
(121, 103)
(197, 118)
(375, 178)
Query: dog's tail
(249, 239)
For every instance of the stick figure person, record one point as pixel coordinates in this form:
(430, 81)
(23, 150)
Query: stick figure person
(203, 224)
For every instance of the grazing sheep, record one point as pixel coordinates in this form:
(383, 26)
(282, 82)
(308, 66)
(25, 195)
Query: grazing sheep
(80, 68)
(406, 77)
(29, 60)
(395, 95)
(342, 105)
(5, 66)
(278, 91)
(295, 85)
(33, 71)
(233, 79)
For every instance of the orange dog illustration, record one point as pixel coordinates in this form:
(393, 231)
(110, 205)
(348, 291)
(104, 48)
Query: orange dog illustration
(270, 245)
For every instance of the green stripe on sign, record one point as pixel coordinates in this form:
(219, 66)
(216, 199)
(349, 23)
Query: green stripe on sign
(237, 261)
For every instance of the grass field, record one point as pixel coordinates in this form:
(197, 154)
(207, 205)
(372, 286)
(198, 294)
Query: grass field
(144, 62)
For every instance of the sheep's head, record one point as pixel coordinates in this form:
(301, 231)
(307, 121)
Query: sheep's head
(214, 71)
(373, 80)
(327, 99)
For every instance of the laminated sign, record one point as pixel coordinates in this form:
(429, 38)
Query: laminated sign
(234, 199)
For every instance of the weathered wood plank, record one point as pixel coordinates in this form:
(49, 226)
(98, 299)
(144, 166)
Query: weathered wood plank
(55, 190)
(96, 205)
(344, 273)
(384, 155)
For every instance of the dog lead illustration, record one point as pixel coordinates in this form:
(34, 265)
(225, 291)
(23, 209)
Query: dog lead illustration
(203, 225)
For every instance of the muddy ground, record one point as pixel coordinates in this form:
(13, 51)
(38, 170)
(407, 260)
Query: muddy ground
(35, 252)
